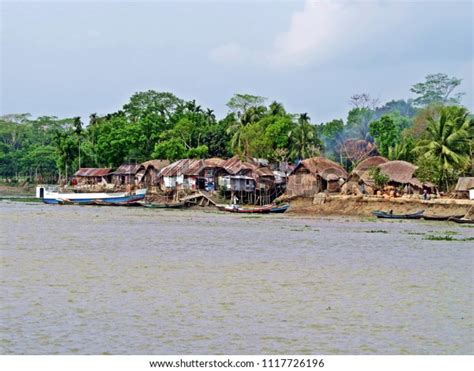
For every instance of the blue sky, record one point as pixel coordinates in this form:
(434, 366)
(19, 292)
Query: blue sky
(75, 58)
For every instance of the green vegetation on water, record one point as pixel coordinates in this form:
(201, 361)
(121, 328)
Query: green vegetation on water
(446, 237)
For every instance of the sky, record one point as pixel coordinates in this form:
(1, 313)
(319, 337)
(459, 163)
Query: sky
(76, 58)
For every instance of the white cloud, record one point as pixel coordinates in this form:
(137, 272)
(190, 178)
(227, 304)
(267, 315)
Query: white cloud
(324, 30)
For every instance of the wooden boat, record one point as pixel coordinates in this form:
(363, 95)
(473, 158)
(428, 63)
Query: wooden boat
(238, 209)
(125, 203)
(389, 215)
(461, 220)
(280, 208)
(441, 218)
(51, 195)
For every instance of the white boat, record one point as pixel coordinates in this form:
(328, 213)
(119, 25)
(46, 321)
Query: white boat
(51, 195)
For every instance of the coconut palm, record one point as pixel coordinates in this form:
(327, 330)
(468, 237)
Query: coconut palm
(449, 142)
(304, 142)
(251, 115)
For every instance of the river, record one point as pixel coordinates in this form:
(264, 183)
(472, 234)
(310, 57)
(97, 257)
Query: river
(112, 280)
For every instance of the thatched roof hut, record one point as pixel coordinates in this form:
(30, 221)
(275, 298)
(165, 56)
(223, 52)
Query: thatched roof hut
(314, 175)
(399, 171)
(369, 163)
(465, 187)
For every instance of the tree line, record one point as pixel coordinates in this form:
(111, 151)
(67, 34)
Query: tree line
(433, 130)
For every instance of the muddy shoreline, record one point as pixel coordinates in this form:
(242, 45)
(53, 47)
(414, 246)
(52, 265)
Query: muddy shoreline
(335, 205)
(363, 206)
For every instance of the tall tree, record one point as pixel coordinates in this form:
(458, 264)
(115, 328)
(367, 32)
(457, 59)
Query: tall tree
(304, 141)
(437, 88)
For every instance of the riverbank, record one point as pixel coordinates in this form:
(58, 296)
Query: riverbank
(9, 191)
(363, 206)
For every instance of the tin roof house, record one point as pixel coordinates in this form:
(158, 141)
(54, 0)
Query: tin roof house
(127, 174)
(91, 176)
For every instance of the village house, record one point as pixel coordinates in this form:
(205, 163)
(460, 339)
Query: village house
(207, 179)
(360, 180)
(315, 175)
(150, 175)
(400, 177)
(181, 175)
(126, 174)
(92, 176)
(465, 188)
(401, 174)
(248, 179)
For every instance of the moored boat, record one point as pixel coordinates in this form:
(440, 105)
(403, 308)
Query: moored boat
(441, 218)
(390, 215)
(51, 195)
(462, 220)
(238, 209)
(280, 208)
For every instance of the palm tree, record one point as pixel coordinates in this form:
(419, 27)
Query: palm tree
(303, 140)
(251, 115)
(448, 144)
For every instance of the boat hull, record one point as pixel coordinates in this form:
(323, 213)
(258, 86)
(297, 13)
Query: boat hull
(462, 220)
(279, 209)
(385, 215)
(119, 198)
(255, 210)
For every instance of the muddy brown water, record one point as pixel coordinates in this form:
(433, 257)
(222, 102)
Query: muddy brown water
(104, 280)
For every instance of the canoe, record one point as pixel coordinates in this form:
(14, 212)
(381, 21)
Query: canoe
(280, 209)
(441, 218)
(461, 220)
(238, 209)
(385, 215)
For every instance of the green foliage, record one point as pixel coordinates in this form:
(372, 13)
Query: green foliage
(402, 150)
(379, 178)
(171, 149)
(437, 89)
(304, 141)
(332, 136)
(386, 131)
(159, 125)
(448, 145)
(404, 108)
(358, 121)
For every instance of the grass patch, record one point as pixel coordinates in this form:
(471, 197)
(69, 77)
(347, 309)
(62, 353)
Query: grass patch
(21, 199)
(376, 231)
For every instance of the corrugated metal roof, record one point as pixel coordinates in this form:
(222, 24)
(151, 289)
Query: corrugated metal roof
(92, 172)
(235, 164)
(183, 167)
(128, 169)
